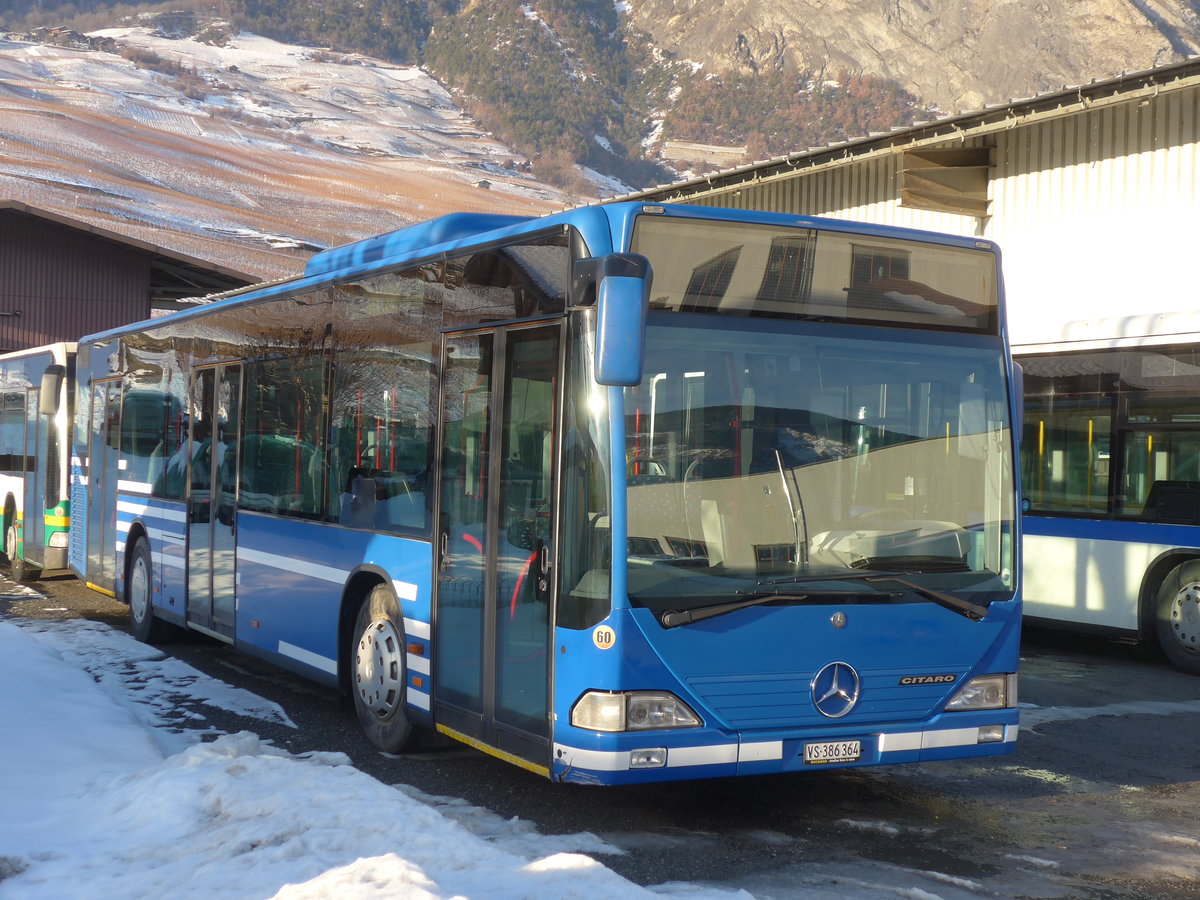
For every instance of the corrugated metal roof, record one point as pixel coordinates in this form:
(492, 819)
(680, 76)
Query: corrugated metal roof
(1000, 115)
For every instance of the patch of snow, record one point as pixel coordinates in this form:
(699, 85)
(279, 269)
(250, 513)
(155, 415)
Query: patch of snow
(93, 803)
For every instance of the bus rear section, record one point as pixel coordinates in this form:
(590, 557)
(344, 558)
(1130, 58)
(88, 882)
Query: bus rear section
(36, 393)
(1111, 481)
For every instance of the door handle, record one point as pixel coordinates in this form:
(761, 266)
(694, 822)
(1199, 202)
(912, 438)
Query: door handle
(444, 551)
(543, 582)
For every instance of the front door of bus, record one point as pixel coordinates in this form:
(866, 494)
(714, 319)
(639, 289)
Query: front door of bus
(104, 472)
(498, 422)
(212, 499)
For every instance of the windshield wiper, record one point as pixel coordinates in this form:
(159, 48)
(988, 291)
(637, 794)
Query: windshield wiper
(971, 610)
(799, 519)
(917, 565)
(675, 618)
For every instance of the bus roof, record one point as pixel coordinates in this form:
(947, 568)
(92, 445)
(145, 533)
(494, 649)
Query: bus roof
(406, 241)
(603, 227)
(1137, 330)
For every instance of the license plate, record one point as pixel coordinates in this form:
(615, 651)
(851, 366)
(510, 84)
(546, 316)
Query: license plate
(832, 752)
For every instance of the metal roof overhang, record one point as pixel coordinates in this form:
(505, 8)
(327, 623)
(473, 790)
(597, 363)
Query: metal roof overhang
(960, 126)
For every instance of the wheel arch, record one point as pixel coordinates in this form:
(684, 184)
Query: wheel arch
(1152, 580)
(137, 531)
(358, 588)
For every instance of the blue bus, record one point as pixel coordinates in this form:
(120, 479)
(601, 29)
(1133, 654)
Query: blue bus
(1111, 475)
(623, 494)
(36, 393)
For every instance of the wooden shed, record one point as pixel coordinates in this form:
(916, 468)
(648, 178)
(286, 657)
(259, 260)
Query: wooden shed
(61, 278)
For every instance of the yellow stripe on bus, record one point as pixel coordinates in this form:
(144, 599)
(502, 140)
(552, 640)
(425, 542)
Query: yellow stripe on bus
(58, 521)
(98, 589)
(544, 771)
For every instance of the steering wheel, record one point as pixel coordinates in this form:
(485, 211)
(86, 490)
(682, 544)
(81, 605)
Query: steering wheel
(647, 461)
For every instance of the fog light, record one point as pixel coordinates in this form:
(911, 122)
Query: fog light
(990, 734)
(649, 758)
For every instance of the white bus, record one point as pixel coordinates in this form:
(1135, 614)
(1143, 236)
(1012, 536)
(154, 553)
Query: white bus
(36, 390)
(1111, 480)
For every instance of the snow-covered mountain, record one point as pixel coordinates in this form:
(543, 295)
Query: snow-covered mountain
(250, 154)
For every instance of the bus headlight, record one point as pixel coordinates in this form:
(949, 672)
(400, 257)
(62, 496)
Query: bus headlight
(632, 711)
(985, 692)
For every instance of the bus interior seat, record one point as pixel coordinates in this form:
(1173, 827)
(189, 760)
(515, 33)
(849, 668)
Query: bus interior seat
(270, 472)
(1173, 502)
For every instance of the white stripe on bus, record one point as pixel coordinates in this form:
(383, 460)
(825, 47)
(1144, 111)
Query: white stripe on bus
(135, 508)
(618, 760)
(936, 739)
(416, 629)
(316, 570)
(324, 663)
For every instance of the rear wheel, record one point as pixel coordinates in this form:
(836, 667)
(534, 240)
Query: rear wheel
(378, 672)
(1177, 616)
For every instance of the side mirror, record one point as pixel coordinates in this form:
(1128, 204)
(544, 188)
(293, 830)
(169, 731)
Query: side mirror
(52, 381)
(622, 295)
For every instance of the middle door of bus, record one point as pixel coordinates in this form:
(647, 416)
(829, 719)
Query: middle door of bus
(499, 418)
(215, 404)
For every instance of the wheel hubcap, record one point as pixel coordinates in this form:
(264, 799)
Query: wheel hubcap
(10, 543)
(1185, 616)
(379, 668)
(139, 590)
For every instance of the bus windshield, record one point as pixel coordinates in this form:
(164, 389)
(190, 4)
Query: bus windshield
(805, 452)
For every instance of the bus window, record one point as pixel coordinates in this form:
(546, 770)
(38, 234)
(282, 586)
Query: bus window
(382, 432)
(12, 431)
(283, 446)
(1068, 468)
(384, 400)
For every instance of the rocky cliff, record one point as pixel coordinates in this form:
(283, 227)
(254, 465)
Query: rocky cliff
(956, 55)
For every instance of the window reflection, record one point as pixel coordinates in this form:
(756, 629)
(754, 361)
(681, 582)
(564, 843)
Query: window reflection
(752, 455)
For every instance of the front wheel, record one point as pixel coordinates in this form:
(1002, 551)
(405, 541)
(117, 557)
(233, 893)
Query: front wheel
(1177, 616)
(139, 591)
(379, 673)
(21, 571)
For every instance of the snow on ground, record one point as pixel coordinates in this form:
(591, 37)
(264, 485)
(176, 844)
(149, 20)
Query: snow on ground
(104, 796)
(114, 783)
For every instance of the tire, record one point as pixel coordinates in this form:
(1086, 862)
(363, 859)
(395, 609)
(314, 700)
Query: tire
(139, 592)
(378, 674)
(21, 572)
(10, 516)
(1177, 616)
